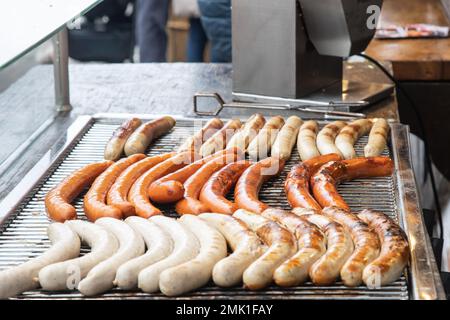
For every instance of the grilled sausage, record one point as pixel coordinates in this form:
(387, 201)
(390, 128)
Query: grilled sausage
(191, 204)
(24, 277)
(286, 138)
(220, 139)
(159, 246)
(378, 137)
(114, 147)
(306, 141)
(66, 275)
(281, 243)
(131, 245)
(95, 199)
(394, 254)
(326, 270)
(217, 187)
(138, 194)
(57, 200)
(194, 142)
(170, 187)
(297, 184)
(327, 136)
(248, 132)
(118, 193)
(244, 243)
(350, 134)
(367, 246)
(185, 248)
(196, 272)
(311, 245)
(249, 184)
(260, 146)
(329, 175)
(146, 133)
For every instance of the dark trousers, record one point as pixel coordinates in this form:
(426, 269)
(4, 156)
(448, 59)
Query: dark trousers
(151, 37)
(197, 41)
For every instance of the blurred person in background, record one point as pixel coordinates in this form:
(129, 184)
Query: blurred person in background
(216, 20)
(151, 37)
(197, 39)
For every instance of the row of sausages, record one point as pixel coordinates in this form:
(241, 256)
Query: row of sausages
(176, 256)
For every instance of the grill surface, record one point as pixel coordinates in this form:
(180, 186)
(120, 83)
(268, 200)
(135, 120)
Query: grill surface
(23, 235)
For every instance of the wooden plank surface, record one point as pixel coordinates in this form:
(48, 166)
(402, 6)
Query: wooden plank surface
(414, 59)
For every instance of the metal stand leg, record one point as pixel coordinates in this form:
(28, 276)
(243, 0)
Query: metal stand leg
(61, 71)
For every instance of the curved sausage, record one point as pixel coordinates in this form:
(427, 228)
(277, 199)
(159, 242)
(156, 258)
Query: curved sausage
(217, 187)
(378, 137)
(195, 273)
(306, 141)
(367, 245)
(260, 146)
(350, 134)
(24, 277)
(118, 194)
(194, 142)
(114, 147)
(281, 243)
(159, 246)
(394, 255)
(103, 245)
(95, 199)
(250, 183)
(191, 204)
(326, 270)
(244, 243)
(170, 187)
(220, 139)
(311, 245)
(146, 133)
(138, 194)
(131, 245)
(327, 136)
(248, 132)
(329, 175)
(286, 138)
(297, 183)
(185, 248)
(57, 200)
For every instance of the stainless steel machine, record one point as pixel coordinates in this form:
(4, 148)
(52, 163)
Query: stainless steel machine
(292, 51)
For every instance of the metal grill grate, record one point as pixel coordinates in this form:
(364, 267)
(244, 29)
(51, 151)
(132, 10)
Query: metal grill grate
(24, 233)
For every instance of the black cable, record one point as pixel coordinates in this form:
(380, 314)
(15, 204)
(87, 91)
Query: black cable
(424, 135)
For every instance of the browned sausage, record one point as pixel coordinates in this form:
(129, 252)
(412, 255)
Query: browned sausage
(394, 255)
(114, 147)
(367, 246)
(118, 194)
(250, 183)
(220, 139)
(170, 188)
(324, 182)
(57, 200)
(95, 199)
(146, 133)
(296, 185)
(216, 188)
(194, 142)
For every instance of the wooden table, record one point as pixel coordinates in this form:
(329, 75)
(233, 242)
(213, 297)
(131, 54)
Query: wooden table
(414, 59)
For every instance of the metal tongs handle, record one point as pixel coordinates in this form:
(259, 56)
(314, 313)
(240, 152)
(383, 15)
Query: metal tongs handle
(327, 114)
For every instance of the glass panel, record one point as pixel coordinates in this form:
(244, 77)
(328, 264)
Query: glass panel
(24, 24)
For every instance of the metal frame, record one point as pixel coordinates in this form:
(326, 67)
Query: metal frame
(425, 282)
(61, 70)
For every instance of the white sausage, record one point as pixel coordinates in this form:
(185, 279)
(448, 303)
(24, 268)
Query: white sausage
(131, 245)
(285, 141)
(185, 248)
(244, 243)
(350, 134)
(195, 273)
(67, 274)
(326, 137)
(306, 141)
(65, 245)
(377, 138)
(159, 246)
